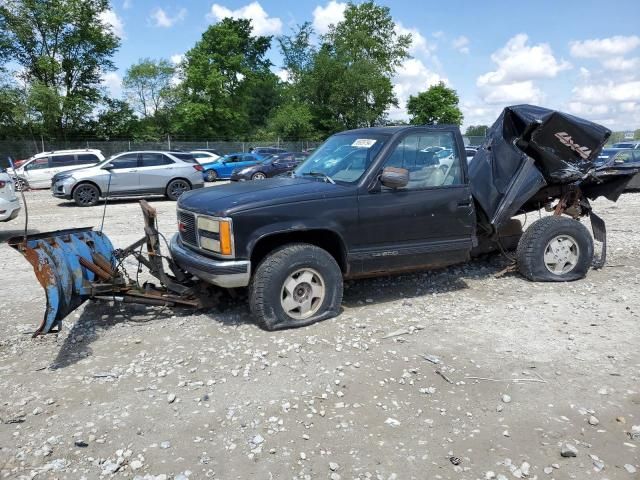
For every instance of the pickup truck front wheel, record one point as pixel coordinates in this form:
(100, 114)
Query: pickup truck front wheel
(555, 249)
(295, 286)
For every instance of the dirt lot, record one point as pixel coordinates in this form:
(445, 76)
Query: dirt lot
(149, 393)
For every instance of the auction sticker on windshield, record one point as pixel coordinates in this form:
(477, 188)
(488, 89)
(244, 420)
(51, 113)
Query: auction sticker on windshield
(363, 143)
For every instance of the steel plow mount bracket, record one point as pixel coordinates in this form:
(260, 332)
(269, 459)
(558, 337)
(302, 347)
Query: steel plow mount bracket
(79, 264)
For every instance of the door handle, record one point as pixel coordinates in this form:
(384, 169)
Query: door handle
(133, 171)
(464, 204)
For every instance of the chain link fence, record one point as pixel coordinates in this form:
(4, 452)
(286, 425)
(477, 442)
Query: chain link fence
(22, 149)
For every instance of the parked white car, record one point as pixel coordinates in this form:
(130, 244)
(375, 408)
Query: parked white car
(38, 171)
(205, 156)
(9, 202)
(130, 174)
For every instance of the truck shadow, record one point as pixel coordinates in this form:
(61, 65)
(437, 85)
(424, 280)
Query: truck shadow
(96, 318)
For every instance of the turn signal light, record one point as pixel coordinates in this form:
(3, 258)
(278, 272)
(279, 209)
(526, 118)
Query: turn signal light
(198, 168)
(225, 238)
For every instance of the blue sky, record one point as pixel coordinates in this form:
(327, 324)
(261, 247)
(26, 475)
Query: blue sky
(577, 56)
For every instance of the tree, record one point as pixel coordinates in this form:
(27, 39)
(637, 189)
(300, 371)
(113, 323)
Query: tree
(476, 131)
(116, 120)
(350, 84)
(226, 74)
(437, 105)
(147, 85)
(297, 52)
(292, 121)
(63, 48)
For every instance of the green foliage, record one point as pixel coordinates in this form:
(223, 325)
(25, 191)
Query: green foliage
(116, 120)
(63, 49)
(147, 85)
(349, 84)
(437, 105)
(292, 121)
(476, 131)
(228, 84)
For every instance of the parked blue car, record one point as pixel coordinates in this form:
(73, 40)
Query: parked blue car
(222, 167)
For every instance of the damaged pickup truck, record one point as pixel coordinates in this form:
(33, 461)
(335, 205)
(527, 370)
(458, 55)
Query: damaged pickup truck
(377, 201)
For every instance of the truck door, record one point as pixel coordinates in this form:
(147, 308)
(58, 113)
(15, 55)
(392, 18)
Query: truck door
(428, 223)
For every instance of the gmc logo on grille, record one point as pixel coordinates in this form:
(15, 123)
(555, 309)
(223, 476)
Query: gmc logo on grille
(566, 139)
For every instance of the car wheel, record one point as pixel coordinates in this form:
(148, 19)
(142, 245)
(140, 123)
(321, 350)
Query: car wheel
(21, 184)
(86, 195)
(258, 176)
(555, 249)
(295, 286)
(210, 175)
(176, 188)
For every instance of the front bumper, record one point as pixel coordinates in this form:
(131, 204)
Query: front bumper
(62, 188)
(223, 273)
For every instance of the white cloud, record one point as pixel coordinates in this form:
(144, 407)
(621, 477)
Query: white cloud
(610, 91)
(419, 44)
(127, 4)
(517, 62)
(411, 77)
(438, 34)
(604, 47)
(110, 18)
(177, 59)
(162, 19)
(461, 44)
(283, 75)
(513, 93)
(113, 84)
(262, 23)
(621, 64)
(331, 14)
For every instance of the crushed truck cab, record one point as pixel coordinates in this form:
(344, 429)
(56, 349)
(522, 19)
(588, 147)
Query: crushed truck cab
(378, 201)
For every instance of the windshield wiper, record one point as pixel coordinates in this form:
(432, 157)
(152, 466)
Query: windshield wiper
(326, 177)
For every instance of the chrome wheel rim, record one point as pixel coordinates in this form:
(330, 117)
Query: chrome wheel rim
(259, 176)
(177, 188)
(561, 254)
(20, 184)
(302, 293)
(211, 175)
(86, 195)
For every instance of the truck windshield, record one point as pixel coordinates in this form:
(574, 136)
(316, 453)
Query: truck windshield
(343, 157)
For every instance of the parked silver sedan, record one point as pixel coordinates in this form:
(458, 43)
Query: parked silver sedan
(129, 174)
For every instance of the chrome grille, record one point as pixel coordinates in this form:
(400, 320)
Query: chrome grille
(188, 227)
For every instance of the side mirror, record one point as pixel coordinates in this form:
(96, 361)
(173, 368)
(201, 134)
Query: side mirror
(393, 177)
(618, 161)
(108, 166)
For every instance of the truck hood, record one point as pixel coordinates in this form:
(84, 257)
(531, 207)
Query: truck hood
(224, 200)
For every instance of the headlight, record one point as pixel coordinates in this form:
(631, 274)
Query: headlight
(215, 235)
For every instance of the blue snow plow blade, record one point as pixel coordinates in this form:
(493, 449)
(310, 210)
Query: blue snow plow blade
(80, 264)
(67, 263)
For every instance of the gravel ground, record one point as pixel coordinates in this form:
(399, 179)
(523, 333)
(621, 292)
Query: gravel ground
(447, 374)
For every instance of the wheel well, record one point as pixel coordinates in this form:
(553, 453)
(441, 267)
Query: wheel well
(177, 178)
(325, 239)
(85, 182)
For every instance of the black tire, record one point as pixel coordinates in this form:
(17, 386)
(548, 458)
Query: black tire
(211, 175)
(258, 176)
(571, 261)
(86, 195)
(20, 184)
(177, 187)
(267, 289)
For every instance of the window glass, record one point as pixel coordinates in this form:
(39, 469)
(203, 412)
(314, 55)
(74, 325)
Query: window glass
(129, 160)
(233, 158)
(185, 157)
(624, 157)
(154, 160)
(38, 164)
(343, 157)
(87, 158)
(431, 158)
(636, 155)
(62, 160)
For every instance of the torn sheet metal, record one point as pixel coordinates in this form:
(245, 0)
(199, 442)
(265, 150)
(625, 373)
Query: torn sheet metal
(527, 148)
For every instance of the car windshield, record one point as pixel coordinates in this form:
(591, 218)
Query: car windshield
(607, 152)
(343, 157)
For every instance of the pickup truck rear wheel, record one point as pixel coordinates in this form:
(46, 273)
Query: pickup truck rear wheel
(294, 286)
(555, 249)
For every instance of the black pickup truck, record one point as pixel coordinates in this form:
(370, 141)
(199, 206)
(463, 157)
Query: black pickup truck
(377, 201)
